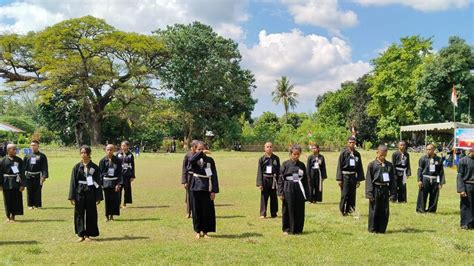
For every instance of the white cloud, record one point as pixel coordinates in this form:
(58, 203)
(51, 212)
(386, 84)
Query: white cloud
(422, 5)
(315, 64)
(322, 13)
(140, 16)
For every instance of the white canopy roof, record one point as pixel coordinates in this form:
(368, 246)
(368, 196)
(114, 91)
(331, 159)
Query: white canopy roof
(446, 127)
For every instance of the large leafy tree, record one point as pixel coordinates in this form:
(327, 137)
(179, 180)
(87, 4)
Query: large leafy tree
(204, 77)
(393, 84)
(333, 108)
(85, 60)
(284, 93)
(358, 116)
(451, 66)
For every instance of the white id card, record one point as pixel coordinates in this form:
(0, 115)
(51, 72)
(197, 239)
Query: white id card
(90, 181)
(403, 162)
(15, 169)
(268, 169)
(432, 168)
(296, 177)
(316, 165)
(385, 177)
(437, 179)
(352, 162)
(111, 172)
(33, 160)
(300, 172)
(208, 171)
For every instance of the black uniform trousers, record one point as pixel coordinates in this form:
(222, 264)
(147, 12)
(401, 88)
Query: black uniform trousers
(13, 202)
(266, 193)
(316, 195)
(204, 213)
(401, 194)
(112, 201)
(293, 208)
(379, 211)
(348, 194)
(188, 199)
(127, 189)
(430, 189)
(85, 214)
(467, 207)
(33, 191)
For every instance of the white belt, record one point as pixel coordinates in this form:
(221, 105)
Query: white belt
(431, 176)
(202, 176)
(381, 184)
(110, 178)
(469, 182)
(404, 170)
(348, 173)
(10, 175)
(82, 182)
(400, 169)
(297, 180)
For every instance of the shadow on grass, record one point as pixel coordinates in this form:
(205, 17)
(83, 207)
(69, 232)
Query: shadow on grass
(149, 207)
(410, 230)
(324, 203)
(20, 242)
(224, 205)
(123, 238)
(243, 235)
(137, 220)
(311, 232)
(40, 220)
(229, 216)
(454, 212)
(57, 208)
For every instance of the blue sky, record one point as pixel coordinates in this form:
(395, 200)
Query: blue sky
(316, 43)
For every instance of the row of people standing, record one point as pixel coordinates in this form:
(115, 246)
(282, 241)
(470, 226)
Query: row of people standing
(91, 183)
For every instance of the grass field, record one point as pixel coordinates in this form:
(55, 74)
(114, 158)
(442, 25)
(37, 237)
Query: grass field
(154, 230)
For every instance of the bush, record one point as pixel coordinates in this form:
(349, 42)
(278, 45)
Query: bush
(368, 145)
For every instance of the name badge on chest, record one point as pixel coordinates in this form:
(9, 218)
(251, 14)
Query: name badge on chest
(403, 162)
(111, 172)
(432, 168)
(296, 177)
(90, 181)
(15, 169)
(385, 177)
(208, 170)
(352, 162)
(269, 169)
(316, 164)
(33, 160)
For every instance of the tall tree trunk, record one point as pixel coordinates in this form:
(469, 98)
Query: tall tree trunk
(96, 129)
(79, 133)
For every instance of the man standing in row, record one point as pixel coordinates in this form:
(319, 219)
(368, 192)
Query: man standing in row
(465, 188)
(267, 172)
(186, 178)
(316, 171)
(110, 168)
(12, 181)
(36, 172)
(401, 161)
(349, 174)
(380, 184)
(430, 180)
(128, 171)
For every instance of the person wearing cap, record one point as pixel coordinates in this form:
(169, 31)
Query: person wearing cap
(380, 184)
(465, 188)
(12, 182)
(186, 177)
(128, 172)
(36, 173)
(267, 172)
(110, 168)
(316, 170)
(430, 180)
(401, 162)
(349, 174)
(85, 193)
(203, 186)
(293, 191)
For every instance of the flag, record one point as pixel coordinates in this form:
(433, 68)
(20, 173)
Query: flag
(454, 97)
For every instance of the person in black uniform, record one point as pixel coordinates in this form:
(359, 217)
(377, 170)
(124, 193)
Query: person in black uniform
(465, 188)
(430, 180)
(267, 172)
(128, 172)
(186, 178)
(349, 174)
(12, 182)
(36, 172)
(204, 186)
(293, 191)
(380, 183)
(316, 170)
(85, 193)
(401, 162)
(111, 173)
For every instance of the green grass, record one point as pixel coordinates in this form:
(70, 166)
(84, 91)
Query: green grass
(155, 231)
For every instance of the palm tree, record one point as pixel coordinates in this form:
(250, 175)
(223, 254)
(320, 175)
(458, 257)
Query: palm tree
(284, 93)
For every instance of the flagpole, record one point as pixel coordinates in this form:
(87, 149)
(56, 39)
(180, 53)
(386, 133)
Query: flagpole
(469, 111)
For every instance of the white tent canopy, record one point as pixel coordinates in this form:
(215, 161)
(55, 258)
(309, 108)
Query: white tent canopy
(447, 127)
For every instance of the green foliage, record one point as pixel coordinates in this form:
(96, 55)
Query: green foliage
(335, 107)
(368, 145)
(393, 84)
(284, 93)
(22, 122)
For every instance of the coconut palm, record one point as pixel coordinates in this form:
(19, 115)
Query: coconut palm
(284, 93)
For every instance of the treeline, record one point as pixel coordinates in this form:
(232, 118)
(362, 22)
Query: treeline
(83, 81)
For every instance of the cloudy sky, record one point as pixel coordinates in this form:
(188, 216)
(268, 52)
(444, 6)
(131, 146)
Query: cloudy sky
(316, 43)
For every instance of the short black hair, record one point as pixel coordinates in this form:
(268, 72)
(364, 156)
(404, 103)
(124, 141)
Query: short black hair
(87, 149)
(35, 141)
(351, 138)
(295, 147)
